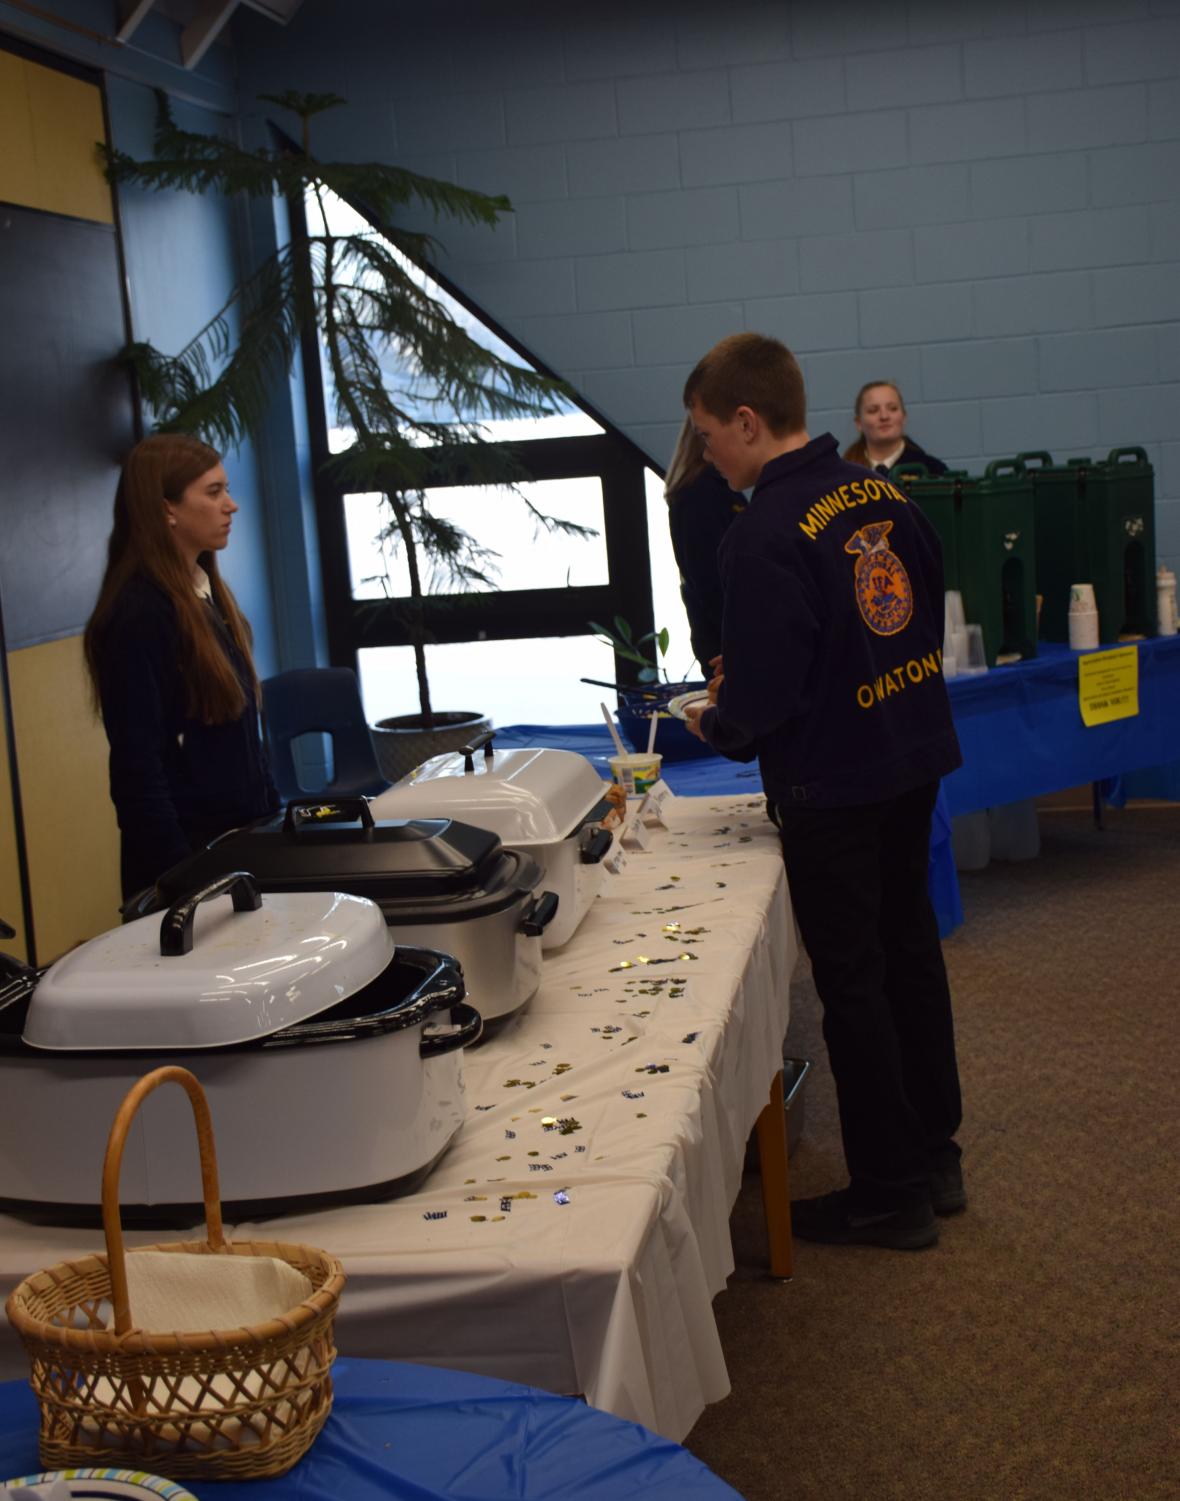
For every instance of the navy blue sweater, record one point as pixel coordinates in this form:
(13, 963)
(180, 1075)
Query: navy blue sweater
(699, 515)
(832, 636)
(175, 782)
(912, 454)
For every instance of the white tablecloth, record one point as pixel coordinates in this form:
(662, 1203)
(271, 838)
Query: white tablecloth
(629, 1088)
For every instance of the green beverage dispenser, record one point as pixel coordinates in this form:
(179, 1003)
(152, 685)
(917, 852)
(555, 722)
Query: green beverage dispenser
(1118, 503)
(1061, 544)
(989, 555)
(937, 497)
(997, 559)
(1096, 525)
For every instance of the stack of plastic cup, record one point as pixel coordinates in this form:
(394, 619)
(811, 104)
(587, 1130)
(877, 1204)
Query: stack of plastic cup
(1165, 583)
(954, 635)
(1083, 618)
(975, 658)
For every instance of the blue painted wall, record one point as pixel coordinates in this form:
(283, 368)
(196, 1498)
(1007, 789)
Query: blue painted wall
(979, 201)
(182, 252)
(183, 256)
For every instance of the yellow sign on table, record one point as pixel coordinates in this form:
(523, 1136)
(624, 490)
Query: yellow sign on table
(1108, 685)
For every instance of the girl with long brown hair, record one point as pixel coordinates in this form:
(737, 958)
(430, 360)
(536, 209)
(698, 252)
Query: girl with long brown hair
(701, 507)
(169, 657)
(880, 416)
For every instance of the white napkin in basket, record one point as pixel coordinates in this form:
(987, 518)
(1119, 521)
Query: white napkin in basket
(188, 1292)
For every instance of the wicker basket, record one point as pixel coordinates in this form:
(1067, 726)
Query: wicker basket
(223, 1404)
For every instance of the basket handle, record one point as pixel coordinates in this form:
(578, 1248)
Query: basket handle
(111, 1222)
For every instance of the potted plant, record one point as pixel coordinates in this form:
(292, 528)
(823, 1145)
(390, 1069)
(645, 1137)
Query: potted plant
(364, 295)
(653, 692)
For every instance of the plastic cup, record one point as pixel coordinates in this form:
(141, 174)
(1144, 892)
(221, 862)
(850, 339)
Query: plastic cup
(1081, 597)
(954, 609)
(1083, 629)
(637, 773)
(976, 656)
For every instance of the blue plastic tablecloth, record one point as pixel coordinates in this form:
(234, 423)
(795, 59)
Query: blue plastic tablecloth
(714, 776)
(1022, 733)
(400, 1432)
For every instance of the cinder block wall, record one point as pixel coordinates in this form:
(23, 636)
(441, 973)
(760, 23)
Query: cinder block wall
(980, 201)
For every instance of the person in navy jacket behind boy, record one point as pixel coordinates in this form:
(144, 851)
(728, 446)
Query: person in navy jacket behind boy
(832, 677)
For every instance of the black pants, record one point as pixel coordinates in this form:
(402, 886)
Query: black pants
(858, 886)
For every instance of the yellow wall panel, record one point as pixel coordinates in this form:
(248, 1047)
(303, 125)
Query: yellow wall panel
(70, 831)
(55, 165)
(18, 161)
(11, 907)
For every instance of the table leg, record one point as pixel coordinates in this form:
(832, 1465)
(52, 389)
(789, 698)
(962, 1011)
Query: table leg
(776, 1193)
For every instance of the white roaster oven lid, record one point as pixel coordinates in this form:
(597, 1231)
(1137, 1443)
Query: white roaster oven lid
(245, 974)
(534, 796)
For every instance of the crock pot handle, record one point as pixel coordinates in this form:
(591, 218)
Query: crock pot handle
(340, 807)
(465, 1029)
(481, 742)
(597, 847)
(176, 930)
(540, 914)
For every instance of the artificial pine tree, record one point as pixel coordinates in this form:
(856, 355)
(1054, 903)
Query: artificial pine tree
(363, 294)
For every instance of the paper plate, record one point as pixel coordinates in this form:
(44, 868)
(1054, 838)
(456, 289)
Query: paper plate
(677, 705)
(109, 1485)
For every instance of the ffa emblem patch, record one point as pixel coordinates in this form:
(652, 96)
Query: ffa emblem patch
(884, 595)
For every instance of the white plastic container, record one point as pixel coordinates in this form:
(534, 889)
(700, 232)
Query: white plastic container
(637, 773)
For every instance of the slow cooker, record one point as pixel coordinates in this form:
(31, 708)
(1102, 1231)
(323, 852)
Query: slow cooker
(438, 882)
(331, 1059)
(548, 804)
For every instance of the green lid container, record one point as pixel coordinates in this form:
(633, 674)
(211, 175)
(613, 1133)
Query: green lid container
(937, 497)
(1096, 525)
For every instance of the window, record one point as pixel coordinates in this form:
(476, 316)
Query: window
(517, 637)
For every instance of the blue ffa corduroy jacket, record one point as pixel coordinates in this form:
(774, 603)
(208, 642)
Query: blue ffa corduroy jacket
(175, 782)
(699, 515)
(832, 636)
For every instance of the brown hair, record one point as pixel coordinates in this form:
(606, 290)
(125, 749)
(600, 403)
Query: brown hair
(161, 468)
(687, 461)
(857, 451)
(753, 371)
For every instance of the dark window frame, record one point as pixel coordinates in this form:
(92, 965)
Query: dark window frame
(353, 625)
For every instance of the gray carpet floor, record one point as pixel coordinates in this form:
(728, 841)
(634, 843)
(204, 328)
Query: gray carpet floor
(1032, 1355)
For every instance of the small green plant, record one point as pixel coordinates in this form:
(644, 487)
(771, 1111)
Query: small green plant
(625, 645)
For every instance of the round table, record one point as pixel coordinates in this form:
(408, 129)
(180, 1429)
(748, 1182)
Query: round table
(419, 1433)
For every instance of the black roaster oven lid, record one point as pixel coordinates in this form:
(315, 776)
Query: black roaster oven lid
(417, 859)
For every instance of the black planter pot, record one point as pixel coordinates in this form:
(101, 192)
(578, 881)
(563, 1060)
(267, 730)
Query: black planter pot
(405, 741)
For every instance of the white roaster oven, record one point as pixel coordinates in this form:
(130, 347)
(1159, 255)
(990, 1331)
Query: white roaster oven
(331, 1058)
(548, 804)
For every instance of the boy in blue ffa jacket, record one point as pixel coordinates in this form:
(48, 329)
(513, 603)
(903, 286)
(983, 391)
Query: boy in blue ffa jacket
(832, 659)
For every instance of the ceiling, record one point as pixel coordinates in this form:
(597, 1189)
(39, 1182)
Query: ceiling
(201, 20)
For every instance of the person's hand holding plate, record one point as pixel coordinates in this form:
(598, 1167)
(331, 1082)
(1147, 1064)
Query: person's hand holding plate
(692, 716)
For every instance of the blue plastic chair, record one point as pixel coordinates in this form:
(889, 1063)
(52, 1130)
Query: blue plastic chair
(323, 700)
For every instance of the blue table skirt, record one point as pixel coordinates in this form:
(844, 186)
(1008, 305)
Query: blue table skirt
(1022, 733)
(400, 1432)
(714, 776)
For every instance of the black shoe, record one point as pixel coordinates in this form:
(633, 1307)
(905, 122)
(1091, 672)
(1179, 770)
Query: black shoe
(832, 1220)
(947, 1194)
